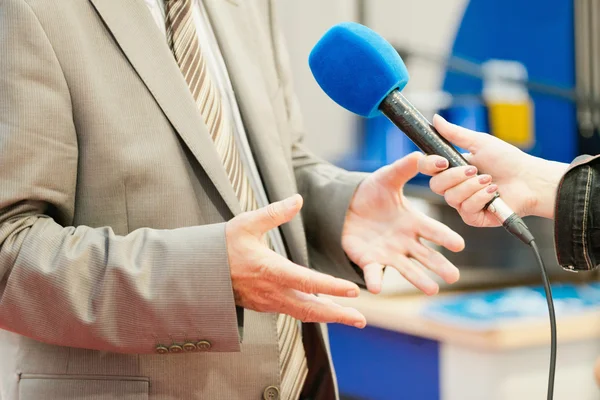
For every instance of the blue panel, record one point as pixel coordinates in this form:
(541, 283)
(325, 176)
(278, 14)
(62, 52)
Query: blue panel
(538, 33)
(377, 364)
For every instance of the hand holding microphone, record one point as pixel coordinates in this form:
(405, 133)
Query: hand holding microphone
(528, 183)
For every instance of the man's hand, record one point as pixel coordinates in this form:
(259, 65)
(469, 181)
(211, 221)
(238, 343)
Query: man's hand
(381, 229)
(267, 282)
(527, 184)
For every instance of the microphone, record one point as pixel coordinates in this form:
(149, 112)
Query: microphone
(363, 73)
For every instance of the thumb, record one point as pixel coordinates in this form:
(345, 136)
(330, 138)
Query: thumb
(275, 214)
(457, 135)
(401, 171)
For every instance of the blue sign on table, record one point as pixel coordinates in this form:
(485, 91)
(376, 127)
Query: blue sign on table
(485, 310)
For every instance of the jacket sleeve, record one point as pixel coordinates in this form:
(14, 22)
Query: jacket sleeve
(80, 286)
(577, 216)
(327, 190)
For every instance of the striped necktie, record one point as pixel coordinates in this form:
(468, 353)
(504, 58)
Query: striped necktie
(183, 39)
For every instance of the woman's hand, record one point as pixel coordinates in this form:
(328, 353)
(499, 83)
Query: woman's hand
(527, 184)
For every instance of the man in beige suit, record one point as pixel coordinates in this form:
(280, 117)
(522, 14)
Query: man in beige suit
(152, 174)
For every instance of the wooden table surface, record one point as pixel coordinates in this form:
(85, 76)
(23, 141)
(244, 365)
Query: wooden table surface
(402, 313)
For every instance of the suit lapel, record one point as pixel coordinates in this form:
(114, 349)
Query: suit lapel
(231, 21)
(135, 31)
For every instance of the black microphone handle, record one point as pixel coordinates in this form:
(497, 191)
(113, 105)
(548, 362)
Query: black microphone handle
(414, 125)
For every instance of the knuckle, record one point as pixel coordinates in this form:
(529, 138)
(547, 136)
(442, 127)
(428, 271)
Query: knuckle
(307, 285)
(279, 305)
(269, 301)
(475, 204)
(436, 186)
(265, 296)
(273, 212)
(421, 253)
(308, 313)
(342, 319)
(475, 183)
(264, 270)
(451, 199)
(472, 206)
(253, 304)
(425, 168)
(271, 274)
(277, 276)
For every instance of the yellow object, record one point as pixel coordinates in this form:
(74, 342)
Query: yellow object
(510, 109)
(513, 122)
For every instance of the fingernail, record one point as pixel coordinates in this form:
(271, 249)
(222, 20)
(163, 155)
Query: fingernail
(359, 325)
(452, 275)
(470, 171)
(483, 179)
(492, 188)
(432, 290)
(352, 293)
(438, 116)
(441, 163)
(375, 288)
(291, 202)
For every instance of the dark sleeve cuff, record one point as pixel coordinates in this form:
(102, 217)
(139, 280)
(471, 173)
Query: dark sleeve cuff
(577, 216)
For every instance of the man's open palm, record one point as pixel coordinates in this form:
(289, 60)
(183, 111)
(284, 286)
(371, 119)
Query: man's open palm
(381, 229)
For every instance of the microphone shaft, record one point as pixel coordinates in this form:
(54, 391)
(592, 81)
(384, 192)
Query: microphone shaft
(414, 125)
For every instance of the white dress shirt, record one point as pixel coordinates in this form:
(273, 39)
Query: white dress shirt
(218, 70)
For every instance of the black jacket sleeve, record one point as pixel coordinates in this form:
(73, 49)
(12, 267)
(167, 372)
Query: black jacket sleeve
(577, 216)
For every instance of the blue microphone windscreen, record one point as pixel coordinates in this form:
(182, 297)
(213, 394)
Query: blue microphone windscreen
(357, 68)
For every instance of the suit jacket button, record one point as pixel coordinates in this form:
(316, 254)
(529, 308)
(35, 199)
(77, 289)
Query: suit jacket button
(161, 349)
(175, 348)
(271, 393)
(203, 345)
(189, 347)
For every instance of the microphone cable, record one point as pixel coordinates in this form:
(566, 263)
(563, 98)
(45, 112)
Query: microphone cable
(551, 312)
(517, 227)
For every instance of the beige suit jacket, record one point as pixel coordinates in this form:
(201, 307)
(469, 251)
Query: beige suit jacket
(113, 204)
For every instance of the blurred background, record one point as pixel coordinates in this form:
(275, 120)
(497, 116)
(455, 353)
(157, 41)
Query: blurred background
(527, 72)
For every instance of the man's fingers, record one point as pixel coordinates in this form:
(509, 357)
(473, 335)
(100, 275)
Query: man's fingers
(289, 275)
(415, 275)
(440, 183)
(374, 277)
(438, 233)
(435, 262)
(401, 171)
(310, 308)
(275, 214)
(457, 135)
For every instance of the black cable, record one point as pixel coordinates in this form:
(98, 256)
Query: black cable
(548, 290)
(515, 225)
